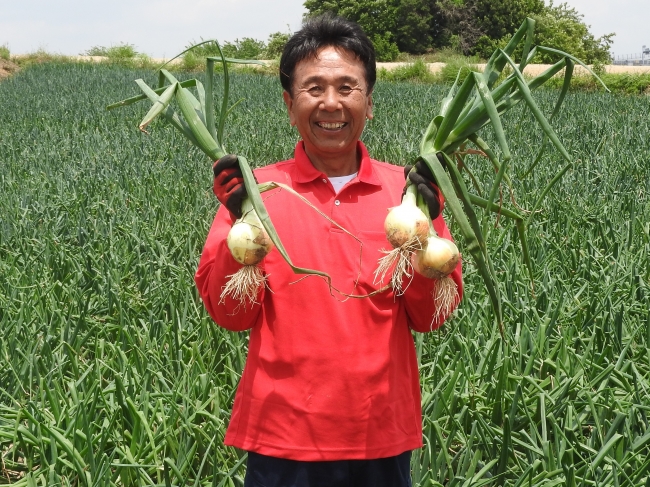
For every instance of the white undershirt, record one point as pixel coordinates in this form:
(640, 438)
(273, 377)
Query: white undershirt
(339, 181)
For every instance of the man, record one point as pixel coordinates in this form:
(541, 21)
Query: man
(330, 393)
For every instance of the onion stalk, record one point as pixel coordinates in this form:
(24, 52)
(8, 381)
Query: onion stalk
(480, 101)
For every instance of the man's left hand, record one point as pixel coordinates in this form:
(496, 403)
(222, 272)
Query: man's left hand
(427, 186)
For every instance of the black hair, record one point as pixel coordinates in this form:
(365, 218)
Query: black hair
(323, 31)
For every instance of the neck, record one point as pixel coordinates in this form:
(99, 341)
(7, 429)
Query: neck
(340, 165)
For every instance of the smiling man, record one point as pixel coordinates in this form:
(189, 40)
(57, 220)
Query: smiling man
(330, 393)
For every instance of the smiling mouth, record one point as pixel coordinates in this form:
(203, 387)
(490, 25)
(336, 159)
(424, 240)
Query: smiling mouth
(331, 125)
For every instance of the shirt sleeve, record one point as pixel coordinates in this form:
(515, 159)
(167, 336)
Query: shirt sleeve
(421, 309)
(215, 267)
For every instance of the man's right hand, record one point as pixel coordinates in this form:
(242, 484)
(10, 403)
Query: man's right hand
(228, 184)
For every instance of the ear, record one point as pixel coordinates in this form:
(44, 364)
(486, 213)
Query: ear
(288, 101)
(369, 114)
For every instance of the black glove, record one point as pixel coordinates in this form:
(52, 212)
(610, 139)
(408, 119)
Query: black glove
(426, 184)
(228, 185)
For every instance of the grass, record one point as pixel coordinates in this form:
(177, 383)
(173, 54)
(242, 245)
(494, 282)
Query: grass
(628, 83)
(113, 374)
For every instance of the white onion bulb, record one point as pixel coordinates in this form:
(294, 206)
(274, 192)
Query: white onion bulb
(437, 259)
(247, 240)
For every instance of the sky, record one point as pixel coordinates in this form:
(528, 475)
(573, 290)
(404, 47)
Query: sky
(162, 28)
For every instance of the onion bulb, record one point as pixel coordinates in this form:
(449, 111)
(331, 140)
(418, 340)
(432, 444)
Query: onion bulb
(248, 243)
(437, 259)
(406, 228)
(406, 223)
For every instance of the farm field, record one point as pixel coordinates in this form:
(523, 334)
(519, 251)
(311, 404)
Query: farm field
(112, 373)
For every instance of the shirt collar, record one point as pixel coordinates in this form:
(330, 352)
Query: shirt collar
(305, 171)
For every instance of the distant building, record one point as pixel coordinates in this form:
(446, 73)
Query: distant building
(641, 59)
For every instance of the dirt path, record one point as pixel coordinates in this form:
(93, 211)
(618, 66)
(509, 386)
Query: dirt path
(7, 68)
(534, 69)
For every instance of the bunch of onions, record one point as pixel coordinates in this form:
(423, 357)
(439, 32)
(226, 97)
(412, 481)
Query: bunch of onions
(407, 228)
(436, 260)
(248, 243)
(417, 246)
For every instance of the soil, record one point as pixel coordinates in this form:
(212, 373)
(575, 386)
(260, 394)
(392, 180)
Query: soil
(533, 69)
(7, 68)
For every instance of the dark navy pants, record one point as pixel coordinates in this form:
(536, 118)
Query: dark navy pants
(264, 471)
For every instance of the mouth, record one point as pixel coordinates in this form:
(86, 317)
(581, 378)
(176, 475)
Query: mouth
(331, 125)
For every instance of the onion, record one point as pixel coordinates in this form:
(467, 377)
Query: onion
(406, 228)
(248, 243)
(405, 223)
(437, 259)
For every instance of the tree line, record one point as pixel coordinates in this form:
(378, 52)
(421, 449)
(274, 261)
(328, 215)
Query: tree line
(470, 27)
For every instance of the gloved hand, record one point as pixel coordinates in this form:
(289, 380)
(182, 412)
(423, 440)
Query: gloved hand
(228, 185)
(427, 186)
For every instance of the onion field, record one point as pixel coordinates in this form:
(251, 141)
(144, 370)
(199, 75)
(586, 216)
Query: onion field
(112, 373)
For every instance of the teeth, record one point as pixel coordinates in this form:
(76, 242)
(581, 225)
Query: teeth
(331, 125)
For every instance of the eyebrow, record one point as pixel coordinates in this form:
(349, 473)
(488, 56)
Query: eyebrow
(317, 78)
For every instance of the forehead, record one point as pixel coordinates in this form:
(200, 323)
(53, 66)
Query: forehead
(330, 62)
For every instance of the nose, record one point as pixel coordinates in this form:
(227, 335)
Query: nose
(330, 101)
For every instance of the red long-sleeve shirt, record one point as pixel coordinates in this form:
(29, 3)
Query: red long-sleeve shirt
(327, 377)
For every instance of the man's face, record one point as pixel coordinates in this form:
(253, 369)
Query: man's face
(329, 103)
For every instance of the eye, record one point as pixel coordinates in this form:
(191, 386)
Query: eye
(315, 90)
(345, 89)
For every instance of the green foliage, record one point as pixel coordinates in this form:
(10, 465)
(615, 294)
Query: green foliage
(191, 61)
(107, 351)
(627, 83)
(122, 54)
(247, 48)
(454, 66)
(497, 19)
(275, 45)
(4, 52)
(415, 72)
(485, 45)
(376, 17)
(119, 52)
(468, 26)
(561, 27)
(385, 49)
(414, 25)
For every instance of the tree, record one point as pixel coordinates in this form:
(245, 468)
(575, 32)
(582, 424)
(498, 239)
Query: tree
(413, 26)
(470, 26)
(247, 48)
(460, 30)
(275, 45)
(376, 17)
(561, 27)
(497, 19)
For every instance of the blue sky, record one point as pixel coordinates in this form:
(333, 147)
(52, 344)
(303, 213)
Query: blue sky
(162, 28)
